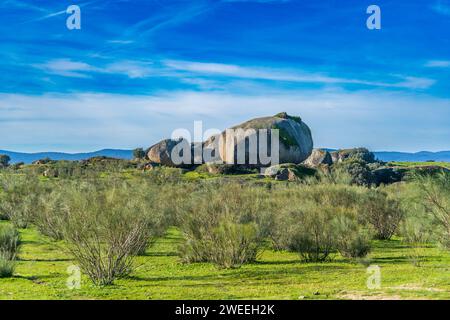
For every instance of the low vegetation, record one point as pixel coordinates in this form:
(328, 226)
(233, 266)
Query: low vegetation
(110, 221)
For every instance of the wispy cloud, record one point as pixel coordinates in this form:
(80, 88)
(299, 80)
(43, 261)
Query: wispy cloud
(66, 68)
(438, 64)
(258, 1)
(117, 41)
(57, 13)
(290, 76)
(76, 69)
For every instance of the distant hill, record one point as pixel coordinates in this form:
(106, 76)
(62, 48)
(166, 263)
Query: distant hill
(30, 157)
(128, 154)
(414, 157)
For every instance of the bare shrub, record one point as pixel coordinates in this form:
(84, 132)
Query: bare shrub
(19, 198)
(104, 229)
(9, 248)
(435, 195)
(351, 240)
(220, 227)
(382, 212)
(7, 267)
(317, 220)
(309, 233)
(9, 242)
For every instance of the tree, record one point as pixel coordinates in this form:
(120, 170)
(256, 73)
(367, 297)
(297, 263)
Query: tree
(139, 153)
(4, 160)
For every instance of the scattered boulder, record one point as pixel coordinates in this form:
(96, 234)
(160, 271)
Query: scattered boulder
(214, 168)
(147, 166)
(289, 172)
(43, 161)
(318, 157)
(286, 175)
(387, 175)
(50, 173)
(356, 153)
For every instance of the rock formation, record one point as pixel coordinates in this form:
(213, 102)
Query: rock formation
(318, 157)
(295, 144)
(295, 139)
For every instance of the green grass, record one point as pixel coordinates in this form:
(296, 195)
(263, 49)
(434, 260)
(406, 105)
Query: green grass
(41, 274)
(421, 164)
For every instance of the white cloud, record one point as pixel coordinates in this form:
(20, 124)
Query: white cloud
(133, 69)
(288, 75)
(192, 69)
(82, 122)
(121, 41)
(66, 68)
(76, 69)
(438, 64)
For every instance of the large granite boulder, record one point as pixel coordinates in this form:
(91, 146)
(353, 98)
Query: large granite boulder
(295, 143)
(318, 157)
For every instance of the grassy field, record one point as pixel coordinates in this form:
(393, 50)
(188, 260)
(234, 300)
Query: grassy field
(41, 274)
(421, 164)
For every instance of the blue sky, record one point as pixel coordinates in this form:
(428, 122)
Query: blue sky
(137, 70)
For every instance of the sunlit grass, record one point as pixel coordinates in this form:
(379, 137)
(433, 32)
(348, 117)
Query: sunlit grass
(41, 274)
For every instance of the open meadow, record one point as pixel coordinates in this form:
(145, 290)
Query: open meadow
(108, 230)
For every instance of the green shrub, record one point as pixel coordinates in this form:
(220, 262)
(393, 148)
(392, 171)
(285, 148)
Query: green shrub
(20, 198)
(309, 233)
(9, 242)
(351, 240)
(317, 220)
(7, 267)
(357, 169)
(228, 245)
(382, 212)
(50, 216)
(435, 205)
(104, 229)
(9, 248)
(220, 226)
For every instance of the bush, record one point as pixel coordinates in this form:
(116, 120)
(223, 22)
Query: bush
(221, 227)
(9, 248)
(357, 169)
(105, 229)
(380, 211)
(351, 240)
(9, 242)
(317, 220)
(435, 195)
(49, 218)
(310, 234)
(7, 267)
(229, 245)
(20, 198)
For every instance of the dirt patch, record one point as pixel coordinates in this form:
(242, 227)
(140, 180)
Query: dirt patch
(365, 296)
